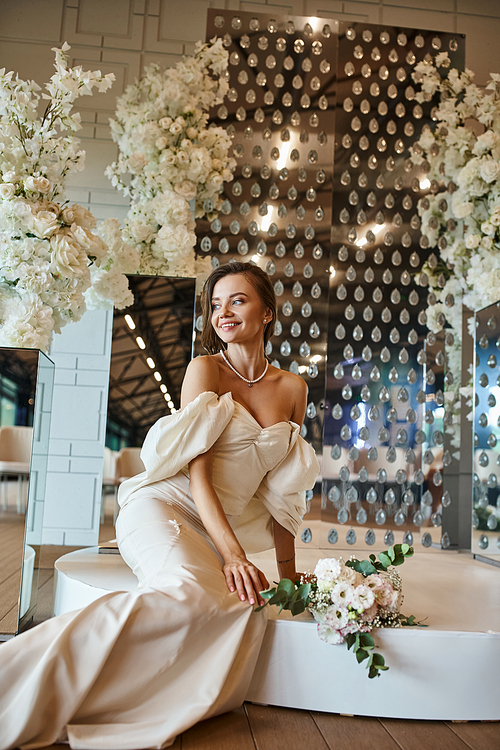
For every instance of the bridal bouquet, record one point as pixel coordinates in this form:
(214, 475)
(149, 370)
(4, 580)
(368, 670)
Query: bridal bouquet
(349, 599)
(48, 249)
(172, 157)
(461, 214)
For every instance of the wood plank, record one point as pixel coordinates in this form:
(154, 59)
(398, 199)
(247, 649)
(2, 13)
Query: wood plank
(423, 735)
(353, 732)
(225, 732)
(479, 735)
(275, 728)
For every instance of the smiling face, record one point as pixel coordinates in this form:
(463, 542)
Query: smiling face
(238, 313)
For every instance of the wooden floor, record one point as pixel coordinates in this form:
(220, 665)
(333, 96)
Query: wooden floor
(270, 728)
(267, 727)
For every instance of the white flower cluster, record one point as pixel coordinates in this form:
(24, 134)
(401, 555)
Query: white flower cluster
(461, 215)
(50, 253)
(346, 601)
(171, 157)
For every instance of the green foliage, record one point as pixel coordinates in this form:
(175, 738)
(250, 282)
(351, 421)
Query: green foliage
(395, 555)
(287, 595)
(363, 647)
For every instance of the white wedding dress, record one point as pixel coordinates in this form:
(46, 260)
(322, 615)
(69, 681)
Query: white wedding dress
(133, 670)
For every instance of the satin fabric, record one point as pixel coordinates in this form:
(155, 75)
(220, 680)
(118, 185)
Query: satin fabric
(134, 670)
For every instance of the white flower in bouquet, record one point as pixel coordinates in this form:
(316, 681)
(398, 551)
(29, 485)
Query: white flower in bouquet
(170, 156)
(49, 250)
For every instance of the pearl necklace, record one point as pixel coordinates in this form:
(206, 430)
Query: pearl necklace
(250, 382)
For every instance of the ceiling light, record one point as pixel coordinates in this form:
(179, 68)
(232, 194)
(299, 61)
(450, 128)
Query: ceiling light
(316, 358)
(425, 184)
(130, 322)
(163, 388)
(140, 342)
(157, 376)
(151, 363)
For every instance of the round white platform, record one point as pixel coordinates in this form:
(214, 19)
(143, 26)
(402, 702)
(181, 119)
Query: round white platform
(446, 671)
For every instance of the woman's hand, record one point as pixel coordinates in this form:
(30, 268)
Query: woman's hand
(246, 579)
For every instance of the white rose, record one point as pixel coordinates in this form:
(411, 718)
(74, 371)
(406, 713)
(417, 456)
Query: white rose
(161, 142)
(180, 121)
(167, 157)
(487, 243)
(142, 232)
(488, 140)
(182, 157)
(165, 122)
(488, 228)
(490, 170)
(462, 209)
(37, 184)
(175, 128)
(136, 161)
(186, 190)
(472, 241)
(191, 133)
(7, 191)
(10, 176)
(78, 215)
(215, 181)
(44, 223)
(68, 258)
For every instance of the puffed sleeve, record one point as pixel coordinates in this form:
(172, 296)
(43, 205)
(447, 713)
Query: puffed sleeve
(280, 495)
(173, 441)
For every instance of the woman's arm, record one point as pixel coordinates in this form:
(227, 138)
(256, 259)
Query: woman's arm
(202, 375)
(284, 541)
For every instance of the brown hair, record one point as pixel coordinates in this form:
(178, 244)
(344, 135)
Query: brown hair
(261, 283)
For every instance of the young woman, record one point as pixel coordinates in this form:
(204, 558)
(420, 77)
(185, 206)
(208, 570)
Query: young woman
(224, 477)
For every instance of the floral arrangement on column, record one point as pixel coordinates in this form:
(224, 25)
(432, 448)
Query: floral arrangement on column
(461, 214)
(171, 157)
(50, 252)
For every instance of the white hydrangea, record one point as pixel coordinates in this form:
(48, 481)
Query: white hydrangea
(170, 156)
(50, 253)
(462, 220)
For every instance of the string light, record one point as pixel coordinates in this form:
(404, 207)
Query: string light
(157, 376)
(151, 363)
(140, 342)
(130, 322)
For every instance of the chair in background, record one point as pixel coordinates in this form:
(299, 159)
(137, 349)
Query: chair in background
(15, 457)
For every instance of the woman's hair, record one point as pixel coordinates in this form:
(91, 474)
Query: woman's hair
(259, 280)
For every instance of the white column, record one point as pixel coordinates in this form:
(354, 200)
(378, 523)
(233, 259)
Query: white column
(81, 354)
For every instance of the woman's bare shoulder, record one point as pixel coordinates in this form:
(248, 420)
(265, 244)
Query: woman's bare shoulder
(292, 382)
(202, 374)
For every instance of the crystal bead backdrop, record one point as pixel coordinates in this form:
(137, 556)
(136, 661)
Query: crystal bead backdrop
(384, 441)
(277, 212)
(486, 484)
(296, 85)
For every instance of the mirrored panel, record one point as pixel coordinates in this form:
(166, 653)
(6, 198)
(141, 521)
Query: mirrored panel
(486, 419)
(151, 347)
(26, 386)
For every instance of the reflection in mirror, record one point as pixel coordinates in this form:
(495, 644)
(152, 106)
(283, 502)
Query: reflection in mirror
(26, 385)
(486, 417)
(151, 348)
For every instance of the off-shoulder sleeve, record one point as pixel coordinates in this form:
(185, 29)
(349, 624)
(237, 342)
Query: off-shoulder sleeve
(282, 491)
(173, 441)
(280, 495)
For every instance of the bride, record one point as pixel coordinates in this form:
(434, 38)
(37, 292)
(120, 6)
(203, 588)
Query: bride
(225, 476)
